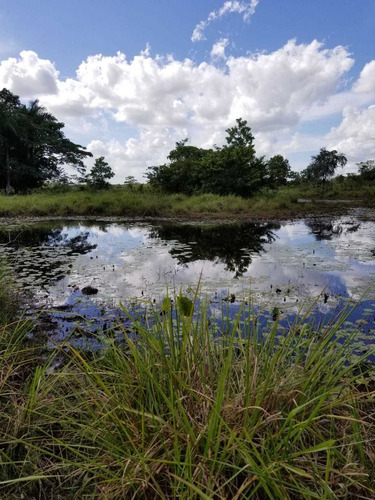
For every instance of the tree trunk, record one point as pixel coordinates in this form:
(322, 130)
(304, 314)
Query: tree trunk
(8, 187)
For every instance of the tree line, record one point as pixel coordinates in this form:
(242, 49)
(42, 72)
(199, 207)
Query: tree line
(231, 169)
(236, 169)
(34, 151)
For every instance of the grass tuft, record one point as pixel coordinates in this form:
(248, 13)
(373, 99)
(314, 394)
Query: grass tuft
(178, 411)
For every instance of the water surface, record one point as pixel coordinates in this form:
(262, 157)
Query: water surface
(283, 264)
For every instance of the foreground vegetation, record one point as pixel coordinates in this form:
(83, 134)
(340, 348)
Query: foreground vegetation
(143, 201)
(177, 411)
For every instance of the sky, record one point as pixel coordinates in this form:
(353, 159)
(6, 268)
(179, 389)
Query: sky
(130, 78)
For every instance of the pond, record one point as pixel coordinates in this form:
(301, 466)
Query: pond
(282, 265)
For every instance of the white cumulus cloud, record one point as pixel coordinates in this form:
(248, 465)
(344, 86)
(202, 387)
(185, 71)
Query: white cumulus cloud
(29, 75)
(366, 80)
(130, 157)
(271, 91)
(355, 136)
(246, 9)
(218, 49)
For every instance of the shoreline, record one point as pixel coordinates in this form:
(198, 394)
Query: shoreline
(332, 209)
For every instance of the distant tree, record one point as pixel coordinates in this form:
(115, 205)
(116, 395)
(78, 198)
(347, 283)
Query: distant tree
(99, 175)
(228, 171)
(367, 170)
(340, 179)
(234, 168)
(242, 173)
(323, 166)
(278, 171)
(33, 147)
(240, 137)
(184, 172)
(130, 181)
(295, 177)
(182, 152)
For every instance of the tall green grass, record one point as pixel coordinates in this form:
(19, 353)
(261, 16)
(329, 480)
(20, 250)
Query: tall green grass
(336, 189)
(127, 202)
(146, 202)
(17, 361)
(178, 411)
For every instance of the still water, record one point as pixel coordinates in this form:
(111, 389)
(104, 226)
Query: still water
(278, 264)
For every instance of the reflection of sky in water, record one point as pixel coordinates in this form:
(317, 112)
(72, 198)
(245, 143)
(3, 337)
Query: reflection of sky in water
(111, 239)
(124, 260)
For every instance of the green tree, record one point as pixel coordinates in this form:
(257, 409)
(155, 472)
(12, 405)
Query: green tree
(184, 172)
(34, 149)
(278, 171)
(241, 138)
(323, 166)
(295, 177)
(130, 181)
(234, 168)
(99, 175)
(367, 170)
(10, 130)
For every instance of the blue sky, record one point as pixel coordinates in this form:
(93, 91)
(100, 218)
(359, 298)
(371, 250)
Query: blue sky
(129, 78)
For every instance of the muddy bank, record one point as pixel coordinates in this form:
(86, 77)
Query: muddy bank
(332, 208)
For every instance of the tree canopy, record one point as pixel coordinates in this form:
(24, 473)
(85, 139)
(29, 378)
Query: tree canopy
(33, 147)
(99, 175)
(323, 166)
(279, 171)
(367, 170)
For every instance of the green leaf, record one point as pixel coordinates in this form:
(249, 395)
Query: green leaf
(326, 445)
(185, 306)
(166, 304)
(297, 470)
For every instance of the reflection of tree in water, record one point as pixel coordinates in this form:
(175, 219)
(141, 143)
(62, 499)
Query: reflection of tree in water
(46, 236)
(324, 229)
(77, 244)
(30, 257)
(232, 244)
